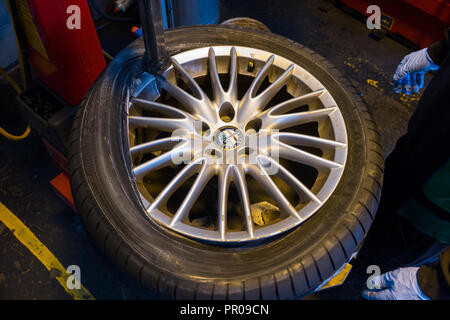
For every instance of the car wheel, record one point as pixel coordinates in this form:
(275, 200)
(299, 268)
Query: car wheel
(150, 177)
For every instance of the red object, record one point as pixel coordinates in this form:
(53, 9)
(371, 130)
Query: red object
(67, 60)
(61, 185)
(422, 22)
(58, 158)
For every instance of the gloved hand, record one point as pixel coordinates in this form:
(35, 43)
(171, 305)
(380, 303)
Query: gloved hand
(409, 76)
(400, 284)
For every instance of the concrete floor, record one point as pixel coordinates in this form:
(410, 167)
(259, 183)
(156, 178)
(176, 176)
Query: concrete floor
(26, 169)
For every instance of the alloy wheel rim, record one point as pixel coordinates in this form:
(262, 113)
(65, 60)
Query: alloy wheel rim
(210, 104)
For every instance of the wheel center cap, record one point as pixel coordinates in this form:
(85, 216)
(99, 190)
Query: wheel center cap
(228, 138)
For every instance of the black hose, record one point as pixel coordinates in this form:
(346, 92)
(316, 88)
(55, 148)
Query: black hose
(107, 16)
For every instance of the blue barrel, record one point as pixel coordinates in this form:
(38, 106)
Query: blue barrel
(177, 13)
(191, 12)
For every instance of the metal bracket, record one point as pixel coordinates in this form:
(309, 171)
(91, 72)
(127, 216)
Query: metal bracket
(145, 86)
(156, 58)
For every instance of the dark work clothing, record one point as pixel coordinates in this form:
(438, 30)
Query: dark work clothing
(393, 241)
(426, 145)
(429, 209)
(434, 280)
(438, 50)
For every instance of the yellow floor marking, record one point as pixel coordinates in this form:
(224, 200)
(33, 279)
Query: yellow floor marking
(40, 251)
(339, 278)
(373, 83)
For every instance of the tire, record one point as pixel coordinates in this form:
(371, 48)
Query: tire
(246, 23)
(292, 265)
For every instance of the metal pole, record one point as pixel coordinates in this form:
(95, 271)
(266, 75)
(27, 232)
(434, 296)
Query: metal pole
(156, 57)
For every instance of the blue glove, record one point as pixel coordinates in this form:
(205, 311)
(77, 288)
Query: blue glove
(400, 284)
(409, 76)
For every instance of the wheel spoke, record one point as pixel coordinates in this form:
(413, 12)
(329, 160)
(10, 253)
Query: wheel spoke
(179, 119)
(197, 104)
(156, 145)
(294, 119)
(293, 103)
(253, 104)
(225, 175)
(298, 139)
(162, 109)
(291, 153)
(246, 107)
(205, 174)
(189, 81)
(188, 171)
(288, 177)
(259, 174)
(232, 93)
(218, 91)
(159, 162)
(264, 97)
(241, 185)
(262, 74)
(162, 124)
(220, 95)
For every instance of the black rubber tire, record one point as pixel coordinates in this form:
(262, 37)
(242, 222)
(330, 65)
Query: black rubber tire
(176, 267)
(246, 23)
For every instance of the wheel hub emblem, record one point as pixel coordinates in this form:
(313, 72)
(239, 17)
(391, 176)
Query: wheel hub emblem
(228, 138)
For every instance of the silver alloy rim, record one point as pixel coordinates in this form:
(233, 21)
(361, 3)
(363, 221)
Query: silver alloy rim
(192, 93)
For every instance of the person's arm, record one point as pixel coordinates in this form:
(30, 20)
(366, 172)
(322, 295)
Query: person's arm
(439, 50)
(430, 282)
(399, 284)
(434, 280)
(410, 73)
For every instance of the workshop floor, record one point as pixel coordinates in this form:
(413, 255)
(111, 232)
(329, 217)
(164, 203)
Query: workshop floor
(26, 168)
